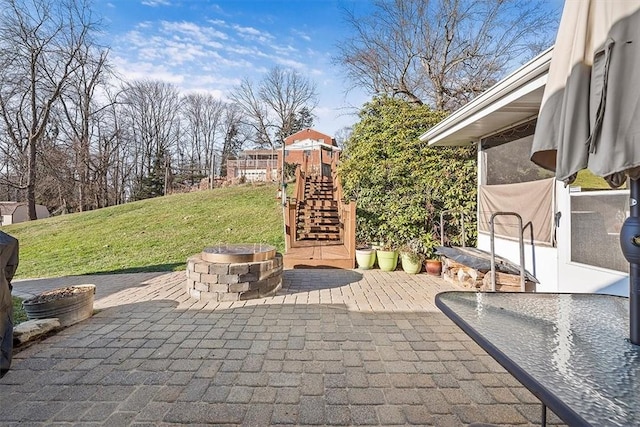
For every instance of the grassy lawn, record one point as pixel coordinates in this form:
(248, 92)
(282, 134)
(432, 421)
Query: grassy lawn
(19, 314)
(150, 235)
(589, 181)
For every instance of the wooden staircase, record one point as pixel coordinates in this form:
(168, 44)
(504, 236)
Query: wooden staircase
(320, 227)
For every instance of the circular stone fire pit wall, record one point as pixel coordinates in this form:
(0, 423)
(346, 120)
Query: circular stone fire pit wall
(234, 272)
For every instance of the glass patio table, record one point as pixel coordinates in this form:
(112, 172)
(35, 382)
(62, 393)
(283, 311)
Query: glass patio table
(570, 350)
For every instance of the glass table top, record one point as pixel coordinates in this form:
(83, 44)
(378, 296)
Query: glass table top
(571, 350)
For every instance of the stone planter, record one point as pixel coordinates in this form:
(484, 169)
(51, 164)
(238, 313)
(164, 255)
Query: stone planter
(69, 305)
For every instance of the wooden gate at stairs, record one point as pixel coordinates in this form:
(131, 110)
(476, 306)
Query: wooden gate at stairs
(319, 226)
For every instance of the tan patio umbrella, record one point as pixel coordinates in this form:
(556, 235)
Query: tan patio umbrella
(590, 113)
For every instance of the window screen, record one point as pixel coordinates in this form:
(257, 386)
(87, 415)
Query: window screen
(508, 163)
(596, 218)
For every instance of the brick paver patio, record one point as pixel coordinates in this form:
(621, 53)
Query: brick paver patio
(333, 347)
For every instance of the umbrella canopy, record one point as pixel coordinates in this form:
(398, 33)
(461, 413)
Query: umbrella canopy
(590, 112)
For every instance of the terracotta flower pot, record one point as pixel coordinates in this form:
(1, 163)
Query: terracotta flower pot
(433, 267)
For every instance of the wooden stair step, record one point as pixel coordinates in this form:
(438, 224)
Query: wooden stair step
(319, 197)
(322, 200)
(323, 221)
(305, 214)
(316, 192)
(318, 236)
(315, 188)
(319, 203)
(320, 228)
(320, 220)
(320, 211)
(320, 207)
(320, 189)
(317, 243)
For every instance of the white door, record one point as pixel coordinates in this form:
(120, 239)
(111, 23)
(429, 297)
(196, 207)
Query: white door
(588, 241)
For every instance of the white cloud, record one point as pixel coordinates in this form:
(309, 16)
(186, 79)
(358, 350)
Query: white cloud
(179, 53)
(300, 34)
(252, 34)
(250, 31)
(289, 63)
(138, 70)
(201, 34)
(154, 3)
(216, 93)
(284, 50)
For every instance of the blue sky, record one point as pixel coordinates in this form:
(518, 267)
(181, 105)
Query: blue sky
(202, 45)
(208, 45)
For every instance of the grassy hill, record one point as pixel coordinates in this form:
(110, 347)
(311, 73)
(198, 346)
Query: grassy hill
(150, 235)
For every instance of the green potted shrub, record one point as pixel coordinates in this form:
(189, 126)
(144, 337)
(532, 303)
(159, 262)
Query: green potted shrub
(387, 257)
(432, 262)
(365, 257)
(365, 253)
(411, 256)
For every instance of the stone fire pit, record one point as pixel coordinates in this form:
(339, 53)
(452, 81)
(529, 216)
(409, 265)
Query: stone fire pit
(234, 272)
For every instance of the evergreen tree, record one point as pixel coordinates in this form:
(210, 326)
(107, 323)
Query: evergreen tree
(400, 183)
(153, 184)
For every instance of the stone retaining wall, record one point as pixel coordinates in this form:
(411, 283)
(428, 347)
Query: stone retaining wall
(210, 281)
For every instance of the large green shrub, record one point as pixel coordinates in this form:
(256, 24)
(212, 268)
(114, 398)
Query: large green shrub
(402, 185)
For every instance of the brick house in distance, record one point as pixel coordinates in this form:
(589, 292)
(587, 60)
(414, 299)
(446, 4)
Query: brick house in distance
(312, 150)
(254, 165)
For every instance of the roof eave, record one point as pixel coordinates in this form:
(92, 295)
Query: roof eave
(529, 77)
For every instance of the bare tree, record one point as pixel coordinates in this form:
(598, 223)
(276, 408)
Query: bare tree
(152, 108)
(40, 44)
(442, 52)
(247, 97)
(236, 133)
(273, 106)
(116, 167)
(287, 93)
(342, 135)
(80, 111)
(202, 114)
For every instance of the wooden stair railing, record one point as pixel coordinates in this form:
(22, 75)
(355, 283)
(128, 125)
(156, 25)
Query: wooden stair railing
(347, 212)
(316, 219)
(318, 224)
(290, 211)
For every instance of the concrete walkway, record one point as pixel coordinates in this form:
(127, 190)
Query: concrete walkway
(333, 347)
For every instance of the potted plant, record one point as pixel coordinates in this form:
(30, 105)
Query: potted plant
(365, 251)
(411, 257)
(387, 257)
(432, 263)
(365, 256)
(433, 266)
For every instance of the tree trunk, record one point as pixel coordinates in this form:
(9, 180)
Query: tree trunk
(31, 180)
